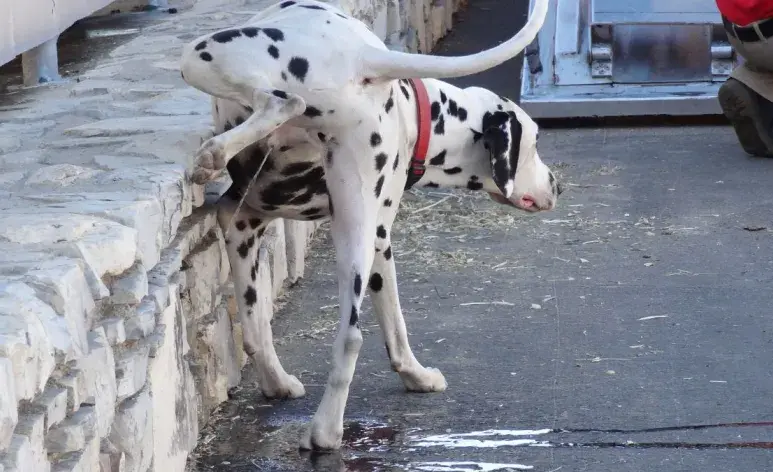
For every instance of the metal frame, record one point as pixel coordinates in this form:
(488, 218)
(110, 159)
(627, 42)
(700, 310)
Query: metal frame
(565, 74)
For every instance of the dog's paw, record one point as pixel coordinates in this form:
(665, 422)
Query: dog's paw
(424, 380)
(209, 162)
(321, 437)
(286, 387)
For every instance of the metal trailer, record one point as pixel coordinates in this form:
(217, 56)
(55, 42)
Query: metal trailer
(606, 58)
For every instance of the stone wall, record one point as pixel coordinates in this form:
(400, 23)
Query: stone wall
(118, 330)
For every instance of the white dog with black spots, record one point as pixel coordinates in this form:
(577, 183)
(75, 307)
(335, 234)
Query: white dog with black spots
(339, 112)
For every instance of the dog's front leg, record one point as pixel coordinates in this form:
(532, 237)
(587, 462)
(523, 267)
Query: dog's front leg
(270, 112)
(386, 305)
(242, 244)
(351, 181)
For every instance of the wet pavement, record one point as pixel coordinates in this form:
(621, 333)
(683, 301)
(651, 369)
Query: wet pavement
(627, 331)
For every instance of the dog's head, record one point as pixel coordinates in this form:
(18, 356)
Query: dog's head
(524, 181)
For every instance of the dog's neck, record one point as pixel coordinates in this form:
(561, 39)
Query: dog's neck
(456, 156)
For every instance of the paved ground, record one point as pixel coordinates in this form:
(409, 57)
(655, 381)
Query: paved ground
(629, 330)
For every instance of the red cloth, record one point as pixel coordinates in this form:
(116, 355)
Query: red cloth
(744, 12)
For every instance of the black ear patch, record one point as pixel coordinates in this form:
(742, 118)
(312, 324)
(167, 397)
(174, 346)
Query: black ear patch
(502, 137)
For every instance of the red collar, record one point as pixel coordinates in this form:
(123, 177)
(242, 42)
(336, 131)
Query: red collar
(417, 168)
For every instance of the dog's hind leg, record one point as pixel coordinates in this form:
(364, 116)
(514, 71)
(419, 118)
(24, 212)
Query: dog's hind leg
(355, 186)
(242, 244)
(271, 110)
(386, 305)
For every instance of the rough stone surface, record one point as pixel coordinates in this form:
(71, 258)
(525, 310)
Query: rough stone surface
(118, 326)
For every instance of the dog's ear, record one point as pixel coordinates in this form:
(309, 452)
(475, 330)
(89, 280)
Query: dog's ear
(502, 138)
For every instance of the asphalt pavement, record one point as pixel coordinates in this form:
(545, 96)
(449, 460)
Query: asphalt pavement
(629, 330)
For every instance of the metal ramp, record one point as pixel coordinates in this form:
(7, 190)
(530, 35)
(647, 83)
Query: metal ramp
(627, 58)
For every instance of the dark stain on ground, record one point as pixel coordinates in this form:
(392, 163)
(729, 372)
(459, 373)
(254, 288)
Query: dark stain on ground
(86, 42)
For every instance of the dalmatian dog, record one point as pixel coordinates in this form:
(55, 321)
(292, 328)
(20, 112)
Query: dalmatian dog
(340, 127)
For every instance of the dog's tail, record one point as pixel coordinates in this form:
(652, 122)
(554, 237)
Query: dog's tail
(379, 64)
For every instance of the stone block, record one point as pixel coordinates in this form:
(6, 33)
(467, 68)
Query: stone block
(131, 370)
(129, 445)
(202, 269)
(72, 382)
(74, 433)
(131, 287)
(84, 460)
(53, 404)
(175, 422)
(24, 340)
(143, 322)
(61, 175)
(21, 457)
(32, 427)
(115, 330)
(216, 367)
(99, 380)
(8, 411)
(61, 282)
(274, 241)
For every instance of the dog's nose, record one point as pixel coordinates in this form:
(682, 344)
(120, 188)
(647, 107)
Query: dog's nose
(559, 188)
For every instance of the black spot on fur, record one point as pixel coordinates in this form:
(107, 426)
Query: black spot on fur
(313, 7)
(453, 170)
(381, 160)
(253, 273)
(250, 296)
(254, 223)
(297, 168)
(250, 31)
(440, 126)
(476, 136)
(354, 316)
(330, 205)
(279, 93)
(375, 139)
(473, 183)
(329, 156)
(270, 207)
(389, 104)
(200, 46)
(312, 112)
(381, 232)
(379, 186)
(284, 76)
(376, 282)
(443, 97)
(283, 191)
(499, 107)
(249, 110)
(226, 36)
(289, 3)
(435, 111)
(285, 148)
(438, 160)
(432, 185)
(453, 109)
(462, 114)
(321, 136)
(274, 34)
(239, 120)
(273, 51)
(396, 162)
(405, 92)
(388, 253)
(388, 202)
(241, 225)
(357, 284)
(205, 56)
(243, 249)
(342, 16)
(298, 67)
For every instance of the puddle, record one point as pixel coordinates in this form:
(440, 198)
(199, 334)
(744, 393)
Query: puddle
(369, 436)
